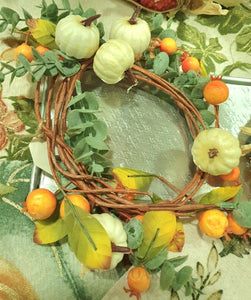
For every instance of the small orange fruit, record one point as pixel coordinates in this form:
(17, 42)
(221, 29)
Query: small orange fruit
(25, 50)
(168, 45)
(138, 279)
(232, 176)
(234, 227)
(76, 199)
(213, 223)
(139, 217)
(42, 49)
(40, 204)
(190, 63)
(215, 92)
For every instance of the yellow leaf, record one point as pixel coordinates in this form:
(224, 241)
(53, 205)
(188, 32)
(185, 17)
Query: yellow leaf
(158, 230)
(43, 32)
(49, 232)
(132, 178)
(220, 194)
(203, 71)
(178, 241)
(87, 238)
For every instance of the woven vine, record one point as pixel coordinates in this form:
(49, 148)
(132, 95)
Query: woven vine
(98, 190)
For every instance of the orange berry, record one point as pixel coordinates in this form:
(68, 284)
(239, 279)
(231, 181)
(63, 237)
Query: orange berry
(40, 203)
(213, 223)
(190, 63)
(42, 49)
(215, 92)
(138, 279)
(139, 217)
(25, 50)
(76, 199)
(168, 45)
(234, 227)
(232, 176)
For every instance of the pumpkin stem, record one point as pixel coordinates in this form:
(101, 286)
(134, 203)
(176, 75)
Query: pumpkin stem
(88, 21)
(133, 19)
(212, 153)
(120, 249)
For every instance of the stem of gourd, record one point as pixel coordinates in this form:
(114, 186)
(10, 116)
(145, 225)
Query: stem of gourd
(133, 19)
(88, 21)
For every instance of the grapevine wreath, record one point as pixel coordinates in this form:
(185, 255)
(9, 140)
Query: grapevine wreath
(96, 208)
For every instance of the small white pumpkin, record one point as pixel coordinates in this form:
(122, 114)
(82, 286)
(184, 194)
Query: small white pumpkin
(112, 59)
(75, 39)
(116, 233)
(138, 35)
(216, 151)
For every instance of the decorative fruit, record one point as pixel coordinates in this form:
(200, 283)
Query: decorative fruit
(76, 199)
(159, 5)
(216, 92)
(168, 45)
(24, 49)
(216, 151)
(234, 227)
(112, 59)
(232, 176)
(139, 217)
(138, 280)
(116, 233)
(190, 63)
(40, 204)
(134, 31)
(77, 37)
(213, 223)
(42, 49)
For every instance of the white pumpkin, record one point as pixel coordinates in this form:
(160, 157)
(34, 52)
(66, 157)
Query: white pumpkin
(112, 59)
(76, 39)
(216, 151)
(116, 233)
(138, 35)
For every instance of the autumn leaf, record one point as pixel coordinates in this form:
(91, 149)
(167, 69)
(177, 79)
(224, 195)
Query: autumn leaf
(132, 178)
(43, 32)
(87, 238)
(47, 232)
(220, 194)
(158, 230)
(178, 241)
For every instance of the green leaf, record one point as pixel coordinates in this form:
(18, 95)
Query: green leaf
(67, 68)
(167, 276)
(178, 260)
(38, 72)
(11, 16)
(27, 15)
(220, 194)
(6, 189)
(242, 214)
(87, 238)
(96, 143)
(160, 63)
(3, 26)
(134, 233)
(214, 278)
(158, 230)
(207, 116)
(200, 270)
(157, 260)
(236, 245)
(182, 277)
(47, 232)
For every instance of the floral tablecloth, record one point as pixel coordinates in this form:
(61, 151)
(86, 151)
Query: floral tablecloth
(53, 272)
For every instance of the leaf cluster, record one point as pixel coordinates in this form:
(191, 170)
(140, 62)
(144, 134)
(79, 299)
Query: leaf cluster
(50, 12)
(85, 133)
(48, 64)
(169, 68)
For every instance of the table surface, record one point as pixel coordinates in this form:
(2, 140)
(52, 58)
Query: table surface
(53, 272)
